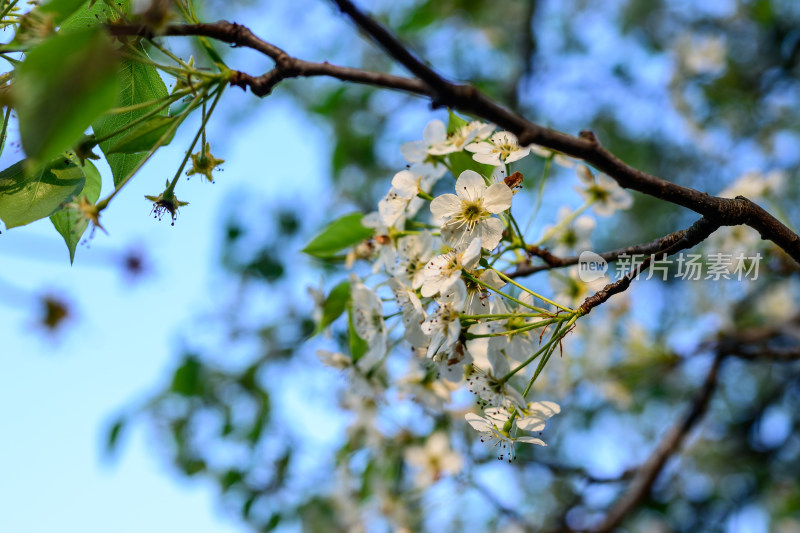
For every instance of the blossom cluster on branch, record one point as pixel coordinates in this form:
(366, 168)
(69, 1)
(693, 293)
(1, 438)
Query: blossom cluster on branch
(437, 283)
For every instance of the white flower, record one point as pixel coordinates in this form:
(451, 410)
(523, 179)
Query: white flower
(382, 242)
(571, 290)
(496, 426)
(468, 213)
(575, 236)
(702, 54)
(488, 385)
(333, 359)
(433, 459)
(558, 158)
(444, 325)
(369, 324)
(478, 295)
(414, 252)
(754, 185)
(456, 141)
(517, 346)
(501, 149)
(413, 313)
(607, 196)
(444, 270)
(402, 199)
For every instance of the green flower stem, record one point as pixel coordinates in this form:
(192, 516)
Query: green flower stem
(137, 121)
(511, 281)
(520, 240)
(501, 293)
(543, 350)
(545, 171)
(5, 128)
(565, 222)
(503, 315)
(529, 327)
(174, 71)
(558, 334)
(104, 203)
(174, 181)
(423, 225)
(425, 196)
(177, 95)
(8, 9)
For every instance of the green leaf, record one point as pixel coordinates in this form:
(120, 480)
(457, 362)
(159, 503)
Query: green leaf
(461, 161)
(71, 223)
(188, 378)
(61, 9)
(339, 234)
(25, 198)
(358, 346)
(138, 83)
(114, 433)
(144, 136)
(98, 14)
(455, 122)
(335, 304)
(62, 86)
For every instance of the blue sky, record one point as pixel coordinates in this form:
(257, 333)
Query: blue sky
(58, 394)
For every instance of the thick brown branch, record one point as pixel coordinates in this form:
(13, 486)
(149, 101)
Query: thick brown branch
(646, 475)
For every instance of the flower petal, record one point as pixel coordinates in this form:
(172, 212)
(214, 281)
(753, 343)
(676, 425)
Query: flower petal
(470, 186)
(490, 231)
(531, 440)
(435, 132)
(497, 198)
(445, 206)
(478, 423)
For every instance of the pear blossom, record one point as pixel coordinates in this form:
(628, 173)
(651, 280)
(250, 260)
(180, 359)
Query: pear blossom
(413, 252)
(334, 359)
(501, 149)
(436, 141)
(570, 289)
(497, 426)
(478, 295)
(488, 384)
(517, 346)
(461, 137)
(468, 213)
(433, 459)
(444, 324)
(754, 185)
(558, 158)
(413, 313)
(382, 243)
(607, 196)
(368, 322)
(575, 236)
(444, 270)
(402, 199)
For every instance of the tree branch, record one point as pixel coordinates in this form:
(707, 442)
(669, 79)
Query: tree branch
(696, 233)
(468, 99)
(724, 211)
(286, 66)
(552, 261)
(646, 475)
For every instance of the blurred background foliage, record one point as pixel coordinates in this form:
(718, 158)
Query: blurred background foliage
(696, 92)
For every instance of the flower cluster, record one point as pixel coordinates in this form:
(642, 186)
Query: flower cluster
(439, 282)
